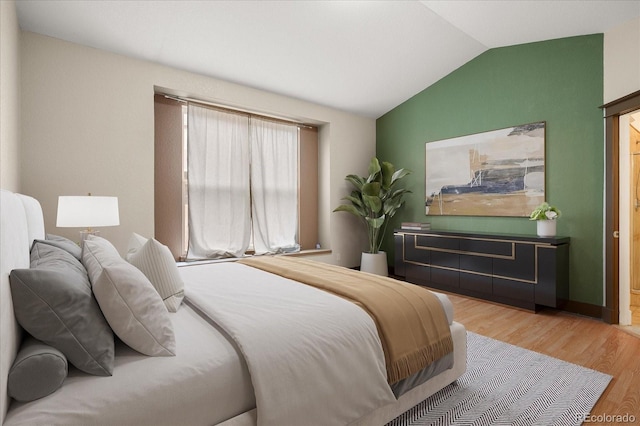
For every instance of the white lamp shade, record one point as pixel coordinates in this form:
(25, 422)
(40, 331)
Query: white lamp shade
(87, 211)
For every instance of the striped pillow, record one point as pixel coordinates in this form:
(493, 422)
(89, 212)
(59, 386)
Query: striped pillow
(157, 264)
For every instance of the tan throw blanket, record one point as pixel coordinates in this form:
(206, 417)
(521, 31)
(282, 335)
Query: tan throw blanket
(411, 321)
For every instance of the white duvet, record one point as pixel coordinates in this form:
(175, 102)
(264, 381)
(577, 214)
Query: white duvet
(205, 383)
(314, 358)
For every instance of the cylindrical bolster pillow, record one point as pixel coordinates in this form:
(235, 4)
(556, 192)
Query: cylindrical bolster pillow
(37, 371)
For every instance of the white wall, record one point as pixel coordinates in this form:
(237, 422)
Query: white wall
(622, 60)
(621, 78)
(87, 126)
(9, 96)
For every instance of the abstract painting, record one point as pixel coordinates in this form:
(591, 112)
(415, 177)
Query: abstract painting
(494, 173)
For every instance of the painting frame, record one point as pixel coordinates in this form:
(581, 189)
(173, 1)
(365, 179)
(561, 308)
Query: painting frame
(498, 172)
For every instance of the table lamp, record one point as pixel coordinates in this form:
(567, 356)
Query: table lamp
(87, 212)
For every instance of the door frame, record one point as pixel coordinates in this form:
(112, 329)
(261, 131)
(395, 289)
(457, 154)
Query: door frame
(612, 112)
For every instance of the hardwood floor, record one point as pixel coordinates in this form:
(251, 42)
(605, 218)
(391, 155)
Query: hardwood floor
(580, 340)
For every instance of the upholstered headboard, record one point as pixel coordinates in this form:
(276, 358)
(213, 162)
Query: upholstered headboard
(21, 222)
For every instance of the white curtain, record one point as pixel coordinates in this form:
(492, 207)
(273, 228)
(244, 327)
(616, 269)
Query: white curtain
(219, 195)
(274, 186)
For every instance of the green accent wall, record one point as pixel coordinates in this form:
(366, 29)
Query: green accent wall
(557, 81)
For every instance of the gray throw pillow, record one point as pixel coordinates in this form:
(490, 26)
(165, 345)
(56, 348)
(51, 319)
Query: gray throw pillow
(63, 243)
(47, 256)
(37, 371)
(53, 301)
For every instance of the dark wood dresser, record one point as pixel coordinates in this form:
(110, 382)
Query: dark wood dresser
(519, 270)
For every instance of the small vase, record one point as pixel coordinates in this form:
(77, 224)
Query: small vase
(375, 263)
(546, 228)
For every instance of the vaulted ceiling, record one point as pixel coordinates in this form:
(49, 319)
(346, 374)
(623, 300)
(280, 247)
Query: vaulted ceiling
(365, 57)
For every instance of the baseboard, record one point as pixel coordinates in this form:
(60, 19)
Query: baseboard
(586, 309)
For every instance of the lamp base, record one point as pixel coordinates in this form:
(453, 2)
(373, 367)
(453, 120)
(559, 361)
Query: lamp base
(84, 234)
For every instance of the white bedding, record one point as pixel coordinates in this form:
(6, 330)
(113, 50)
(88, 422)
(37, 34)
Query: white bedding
(207, 382)
(294, 382)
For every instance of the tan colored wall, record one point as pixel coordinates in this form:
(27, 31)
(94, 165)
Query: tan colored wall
(87, 126)
(622, 60)
(9, 96)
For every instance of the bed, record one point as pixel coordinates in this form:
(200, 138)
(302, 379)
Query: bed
(328, 366)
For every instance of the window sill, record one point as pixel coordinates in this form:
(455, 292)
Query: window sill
(309, 252)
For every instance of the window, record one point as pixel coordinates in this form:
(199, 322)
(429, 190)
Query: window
(228, 182)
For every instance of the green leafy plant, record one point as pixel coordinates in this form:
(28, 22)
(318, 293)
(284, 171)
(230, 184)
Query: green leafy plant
(545, 211)
(375, 199)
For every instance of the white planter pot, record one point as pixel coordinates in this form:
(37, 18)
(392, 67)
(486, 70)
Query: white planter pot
(375, 263)
(546, 228)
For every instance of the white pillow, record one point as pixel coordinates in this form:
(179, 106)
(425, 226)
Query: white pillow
(131, 305)
(100, 253)
(156, 262)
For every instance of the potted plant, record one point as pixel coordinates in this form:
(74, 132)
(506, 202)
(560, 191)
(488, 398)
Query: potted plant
(375, 199)
(545, 216)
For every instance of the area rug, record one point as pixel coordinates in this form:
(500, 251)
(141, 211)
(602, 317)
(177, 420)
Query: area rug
(509, 385)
